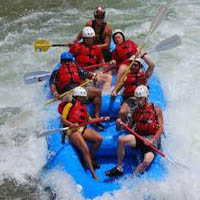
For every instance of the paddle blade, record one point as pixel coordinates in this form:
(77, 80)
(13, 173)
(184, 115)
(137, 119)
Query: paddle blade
(45, 133)
(38, 76)
(42, 45)
(169, 43)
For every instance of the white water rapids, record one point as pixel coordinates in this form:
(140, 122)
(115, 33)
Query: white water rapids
(23, 154)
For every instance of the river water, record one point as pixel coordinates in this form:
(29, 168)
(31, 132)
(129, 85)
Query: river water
(22, 155)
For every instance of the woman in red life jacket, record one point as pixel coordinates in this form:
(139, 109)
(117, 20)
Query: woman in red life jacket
(123, 51)
(148, 122)
(73, 114)
(103, 32)
(69, 76)
(137, 76)
(86, 54)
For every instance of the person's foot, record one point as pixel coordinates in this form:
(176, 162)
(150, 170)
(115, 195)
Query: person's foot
(95, 164)
(99, 126)
(114, 172)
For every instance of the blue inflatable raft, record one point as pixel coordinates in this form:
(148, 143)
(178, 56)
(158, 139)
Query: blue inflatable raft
(66, 158)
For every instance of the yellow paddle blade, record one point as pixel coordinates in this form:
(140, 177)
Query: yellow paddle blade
(42, 45)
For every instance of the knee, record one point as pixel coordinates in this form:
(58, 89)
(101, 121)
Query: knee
(147, 161)
(97, 92)
(122, 68)
(99, 139)
(122, 113)
(121, 141)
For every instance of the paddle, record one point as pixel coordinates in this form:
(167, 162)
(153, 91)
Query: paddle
(174, 163)
(37, 76)
(167, 44)
(44, 45)
(96, 66)
(162, 11)
(19, 118)
(45, 133)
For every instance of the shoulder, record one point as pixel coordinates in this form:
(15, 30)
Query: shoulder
(108, 29)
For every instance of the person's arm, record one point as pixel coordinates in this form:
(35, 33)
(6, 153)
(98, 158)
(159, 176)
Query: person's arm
(108, 35)
(150, 68)
(160, 124)
(53, 82)
(54, 91)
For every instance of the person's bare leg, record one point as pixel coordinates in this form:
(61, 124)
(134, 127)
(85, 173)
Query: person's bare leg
(122, 141)
(107, 81)
(120, 73)
(95, 94)
(123, 111)
(148, 158)
(95, 138)
(80, 143)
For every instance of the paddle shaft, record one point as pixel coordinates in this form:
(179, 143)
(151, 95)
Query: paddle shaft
(45, 133)
(59, 45)
(67, 92)
(96, 66)
(141, 138)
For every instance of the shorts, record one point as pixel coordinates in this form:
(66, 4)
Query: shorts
(144, 148)
(70, 132)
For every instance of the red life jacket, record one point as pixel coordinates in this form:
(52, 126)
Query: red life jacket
(68, 74)
(133, 80)
(61, 106)
(78, 113)
(86, 56)
(124, 51)
(146, 120)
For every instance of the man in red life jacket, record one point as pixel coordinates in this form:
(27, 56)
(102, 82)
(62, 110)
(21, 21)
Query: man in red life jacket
(148, 122)
(137, 76)
(123, 51)
(86, 54)
(73, 114)
(69, 76)
(103, 32)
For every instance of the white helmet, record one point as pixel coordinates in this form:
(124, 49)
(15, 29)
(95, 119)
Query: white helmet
(142, 91)
(118, 31)
(80, 91)
(136, 59)
(88, 32)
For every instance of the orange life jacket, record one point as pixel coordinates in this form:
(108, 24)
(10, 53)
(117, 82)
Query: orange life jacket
(68, 74)
(86, 56)
(146, 120)
(133, 80)
(124, 51)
